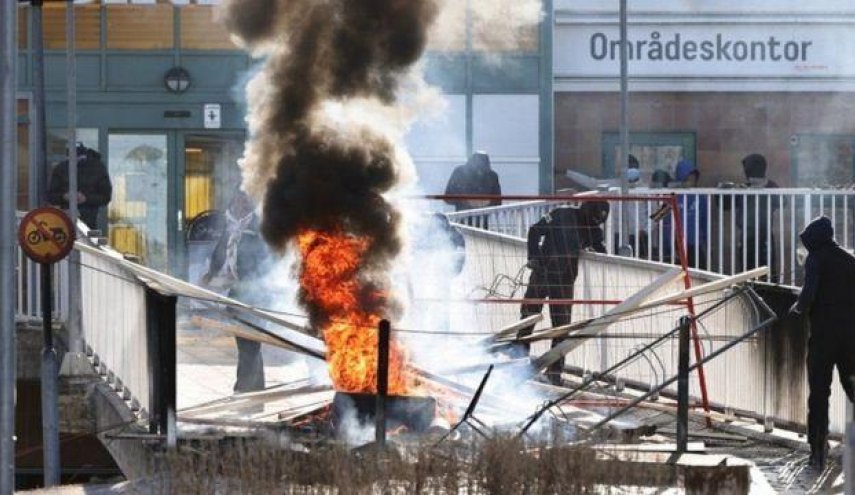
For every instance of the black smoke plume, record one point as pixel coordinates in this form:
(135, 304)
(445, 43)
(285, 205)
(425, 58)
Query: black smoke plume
(309, 173)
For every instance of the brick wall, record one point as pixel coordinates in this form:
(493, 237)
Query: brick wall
(728, 126)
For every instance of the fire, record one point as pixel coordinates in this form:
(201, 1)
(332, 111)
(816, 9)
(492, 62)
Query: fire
(330, 280)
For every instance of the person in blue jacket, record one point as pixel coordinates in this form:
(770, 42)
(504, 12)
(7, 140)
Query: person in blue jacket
(694, 210)
(827, 297)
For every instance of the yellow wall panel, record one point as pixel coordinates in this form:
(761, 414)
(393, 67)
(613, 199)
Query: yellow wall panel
(87, 26)
(140, 27)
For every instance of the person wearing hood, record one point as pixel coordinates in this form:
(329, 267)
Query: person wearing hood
(754, 215)
(474, 178)
(94, 188)
(827, 297)
(554, 245)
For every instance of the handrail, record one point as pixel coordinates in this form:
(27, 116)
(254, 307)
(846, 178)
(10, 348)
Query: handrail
(725, 230)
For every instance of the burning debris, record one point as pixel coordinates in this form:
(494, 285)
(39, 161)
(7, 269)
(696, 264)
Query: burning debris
(322, 165)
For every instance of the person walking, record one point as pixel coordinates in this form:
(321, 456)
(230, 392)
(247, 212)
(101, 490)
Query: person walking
(554, 245)
(827, 297)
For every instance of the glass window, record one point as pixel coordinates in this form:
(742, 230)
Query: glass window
(655, 151)
(211, 174)
(199, 30)
(138, 212)
(87, 26)
(140, 27)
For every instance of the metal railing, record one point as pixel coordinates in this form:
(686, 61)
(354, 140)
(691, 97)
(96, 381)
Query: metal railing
(761, 376)
(114, 325)
(726, 230)
(29, 285)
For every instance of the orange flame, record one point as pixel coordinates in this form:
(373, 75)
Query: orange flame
(331, 264)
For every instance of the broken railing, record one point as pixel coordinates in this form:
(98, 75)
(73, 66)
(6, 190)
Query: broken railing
(726, 230)
(749, 379)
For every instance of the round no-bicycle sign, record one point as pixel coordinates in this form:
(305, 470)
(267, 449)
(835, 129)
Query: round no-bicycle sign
(46, 235)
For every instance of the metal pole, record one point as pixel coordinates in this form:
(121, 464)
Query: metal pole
(470, 111)
(50, 374)
(74, 360)
(547, 101)
(40, 171)
(9, 187)
(683, 386)
(383, 335)
(623, 157)
(849, 452)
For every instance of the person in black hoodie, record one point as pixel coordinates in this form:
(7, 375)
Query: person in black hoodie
(828, 296)
(554, 245)
(474, 178)
(94, 188)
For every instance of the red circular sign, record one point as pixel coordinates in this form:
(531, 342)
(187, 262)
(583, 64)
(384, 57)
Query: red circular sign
(46, 235)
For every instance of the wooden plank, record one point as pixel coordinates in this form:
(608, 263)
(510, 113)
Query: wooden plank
(610, 317)
(512, 329)
(557, 332)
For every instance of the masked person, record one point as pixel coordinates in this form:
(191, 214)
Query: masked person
(237, 264)
(828, 296)
(554, 245)
(94, 189)
(474, 178)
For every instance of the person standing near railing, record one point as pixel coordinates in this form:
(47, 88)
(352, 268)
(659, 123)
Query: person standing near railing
(474, 178)
(754, 215)
(828, 296)
(554, 245)
(693, 208)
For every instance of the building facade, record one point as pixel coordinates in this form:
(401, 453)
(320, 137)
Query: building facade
(710, 82)
(160, 95)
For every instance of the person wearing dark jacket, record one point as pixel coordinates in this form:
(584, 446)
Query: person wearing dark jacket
(754, 215)
(94, 188)
(828, 296)
(474, 178)
(554, 245)
(239, 257)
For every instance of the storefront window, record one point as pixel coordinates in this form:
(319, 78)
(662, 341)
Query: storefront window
(654, 151)
(138, 212)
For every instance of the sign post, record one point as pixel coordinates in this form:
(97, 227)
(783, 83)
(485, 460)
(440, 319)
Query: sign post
(46, 236)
